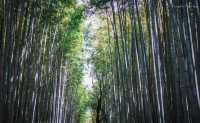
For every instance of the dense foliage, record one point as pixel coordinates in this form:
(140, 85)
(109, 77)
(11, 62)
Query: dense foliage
(143, 55)
(40, 73)
(149, 70)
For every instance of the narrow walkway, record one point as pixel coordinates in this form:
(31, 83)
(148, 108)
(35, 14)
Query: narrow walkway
(87, 50)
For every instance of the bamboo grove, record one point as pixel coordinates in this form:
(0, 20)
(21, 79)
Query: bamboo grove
(37, 83)
(149, 70)
(145, 61)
